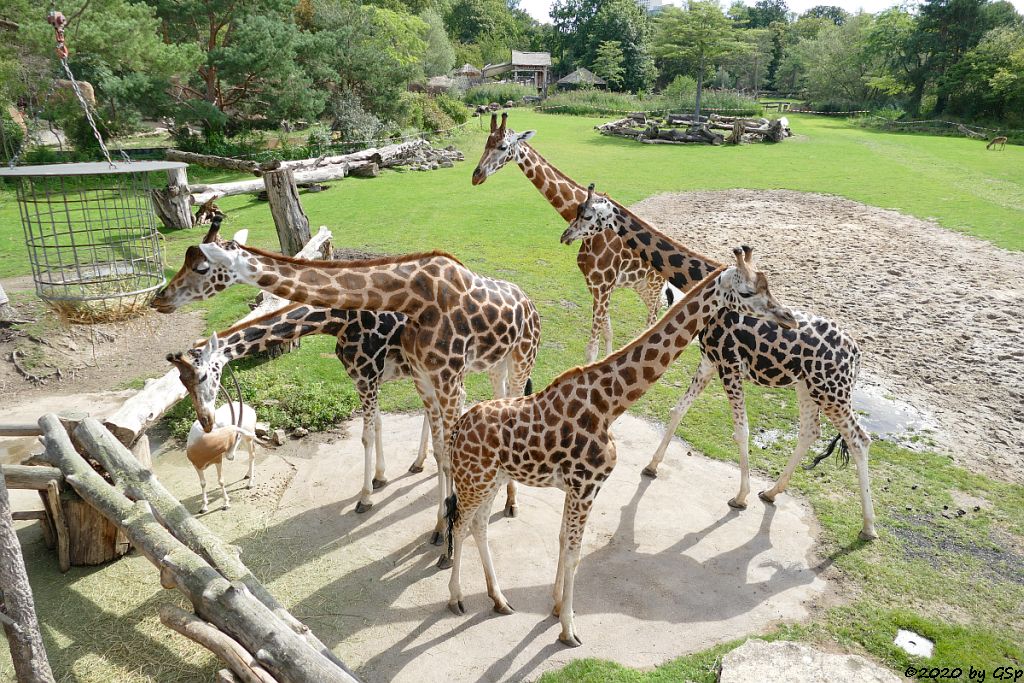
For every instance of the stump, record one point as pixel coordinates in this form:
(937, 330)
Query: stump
(173, 204)
(290, 219)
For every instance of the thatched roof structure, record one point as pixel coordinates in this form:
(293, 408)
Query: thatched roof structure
(581, 76)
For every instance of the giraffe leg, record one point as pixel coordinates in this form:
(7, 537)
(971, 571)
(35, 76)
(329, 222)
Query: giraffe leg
(220, 482)
(500, 385)
(202, 484)
(421, 456)
(858, 441)
(451, 396)
(609, 339)
(479, 529)
(466, 513)
(733, 382)
(601, 297)
(579, 512)
(650, 293)
(559, 586)
(369, 429)
(380, 479)
(705, 370)
(810, 430)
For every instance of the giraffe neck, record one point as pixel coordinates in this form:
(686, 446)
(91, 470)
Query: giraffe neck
(402, 284)
(679, 265)
(618, 381)
(561, 191)
(283, 325)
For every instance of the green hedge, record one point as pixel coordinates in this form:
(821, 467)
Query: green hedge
(497, 92)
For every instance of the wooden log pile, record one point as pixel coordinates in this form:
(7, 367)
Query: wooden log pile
(416, 154)
(235, 617)
(686, 129)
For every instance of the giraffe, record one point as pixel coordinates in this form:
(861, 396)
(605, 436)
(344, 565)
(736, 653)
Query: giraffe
(819, 359)
(606, 263)
(369, 347)
(459, 321)
(558, 437)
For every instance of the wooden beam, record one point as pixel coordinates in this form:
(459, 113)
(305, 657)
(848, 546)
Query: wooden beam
(31, 476)
(20, 429)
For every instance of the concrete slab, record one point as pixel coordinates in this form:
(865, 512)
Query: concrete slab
(668, 567)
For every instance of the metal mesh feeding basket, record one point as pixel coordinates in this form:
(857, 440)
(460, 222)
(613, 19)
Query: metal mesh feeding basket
(91, 235)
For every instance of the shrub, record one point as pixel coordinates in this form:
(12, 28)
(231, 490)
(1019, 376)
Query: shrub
(497, 92)
(453, 107)
(593, 102)
(727, 102)
(681, 89)
(319, 139)
(11, 136)
(350, 120)
(425, 113)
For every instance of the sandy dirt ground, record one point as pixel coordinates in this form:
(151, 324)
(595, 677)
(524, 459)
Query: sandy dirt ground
(936, 313)
(667, 568)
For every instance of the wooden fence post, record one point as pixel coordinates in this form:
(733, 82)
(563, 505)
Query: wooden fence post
(292, 224)
(18, 613)
(173, 204)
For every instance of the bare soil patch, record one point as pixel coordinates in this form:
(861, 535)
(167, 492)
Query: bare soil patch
(90, 358)
(936, 313)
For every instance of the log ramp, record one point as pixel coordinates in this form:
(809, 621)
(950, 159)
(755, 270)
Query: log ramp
(235, 617)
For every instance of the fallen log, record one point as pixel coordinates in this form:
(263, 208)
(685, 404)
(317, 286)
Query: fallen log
(17, 610)
(225, 647)
(204, 193)
(141, 410)
(213, 161)
(229, 606)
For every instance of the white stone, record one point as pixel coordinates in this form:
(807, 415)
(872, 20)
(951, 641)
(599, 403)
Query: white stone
(788, 662)
(914, 644)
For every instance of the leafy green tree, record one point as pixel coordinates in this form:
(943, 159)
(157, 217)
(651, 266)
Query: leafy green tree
(701, 33)
(764, 13)
(838, 65)
(608, 63)
(837, 15)
(623, 22)
(439, 55)
(988, 81)
(470, 20)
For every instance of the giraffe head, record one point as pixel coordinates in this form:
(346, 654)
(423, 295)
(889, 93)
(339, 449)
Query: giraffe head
(593, 215)
(502, 145)
(744, 289)
(200, 370)
(201, 276)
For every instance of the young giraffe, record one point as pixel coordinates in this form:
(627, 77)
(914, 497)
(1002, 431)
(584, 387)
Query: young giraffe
(369, 347)
(459, 321)
(819, 359)
(606, 263)
(559, 436)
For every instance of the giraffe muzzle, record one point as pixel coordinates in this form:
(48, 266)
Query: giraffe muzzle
(568, 237)
(478, 175)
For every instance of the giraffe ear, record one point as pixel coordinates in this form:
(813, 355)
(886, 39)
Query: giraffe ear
(526, 135)
(240, 237)
(215, 253)
(211, 347)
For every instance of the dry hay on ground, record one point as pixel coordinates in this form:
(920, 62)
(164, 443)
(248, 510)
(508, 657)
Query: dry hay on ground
(935, 312)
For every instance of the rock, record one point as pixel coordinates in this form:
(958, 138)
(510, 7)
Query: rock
(262, 430)
(788, 662)
(278, 437)
(300, 432)
(509, 104)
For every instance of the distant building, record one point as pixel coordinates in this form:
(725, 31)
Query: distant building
(528, 68)
(581, 77)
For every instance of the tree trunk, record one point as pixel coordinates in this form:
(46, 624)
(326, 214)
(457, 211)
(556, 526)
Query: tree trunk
(290, 219)
(230, 606)
(212, 161)
(173, 204)
(17, 611)
(700, 87)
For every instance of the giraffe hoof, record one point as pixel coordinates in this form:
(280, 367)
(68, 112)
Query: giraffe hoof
(362, 507)
(457, 608)
(227, 506)
(571, 641)
(378, 483)
(504, 609)
(556, 610)
(763, 495)
(436, 538)
(736, 505)
(416, 469)
(203, 509)
(867, 535)
(511, 511)
(649, 472)
(444, 562)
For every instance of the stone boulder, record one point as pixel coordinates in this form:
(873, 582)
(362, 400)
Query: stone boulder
(788, 662)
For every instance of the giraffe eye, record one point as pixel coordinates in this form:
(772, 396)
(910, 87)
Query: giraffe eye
(202, 269)
(202, 380)
(745, 295)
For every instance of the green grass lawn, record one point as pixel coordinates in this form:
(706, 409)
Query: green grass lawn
(950, 579)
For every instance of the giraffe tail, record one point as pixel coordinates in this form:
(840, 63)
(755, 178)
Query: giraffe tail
(451, 515)
(670, 296)
(528, 389)
(844, 453)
